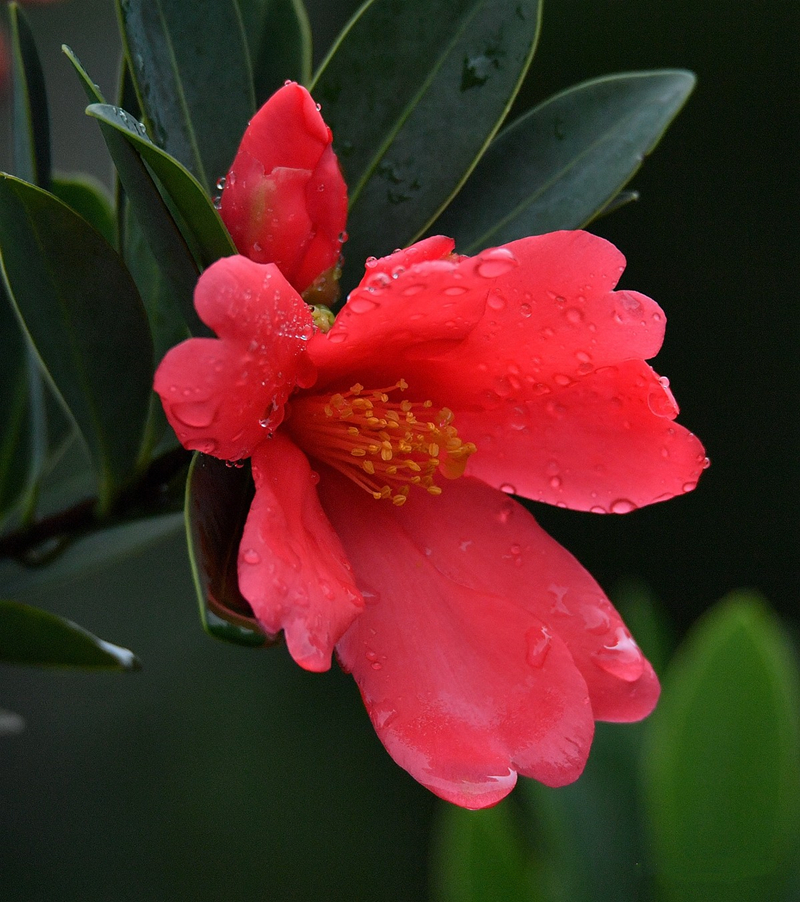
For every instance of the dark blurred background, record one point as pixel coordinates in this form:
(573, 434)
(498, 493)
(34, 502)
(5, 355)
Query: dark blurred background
(221, 773)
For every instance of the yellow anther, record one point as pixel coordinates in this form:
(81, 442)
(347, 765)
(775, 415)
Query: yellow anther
(384, 445)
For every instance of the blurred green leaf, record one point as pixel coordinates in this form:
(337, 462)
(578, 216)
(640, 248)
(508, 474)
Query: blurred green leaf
(279, 37)
(479, 856)
(90, 554)
(197, 219)
(85, 318)
(31, 120)
(31, 636)
(191, 68)
(589, 845)
(10, 723)
(218, 499)
(561, 164)
(723, 770)
(414, 92)
(648, 621)
(88, 198)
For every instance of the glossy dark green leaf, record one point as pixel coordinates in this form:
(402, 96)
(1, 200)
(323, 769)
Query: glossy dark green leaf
(22, 451)
(88, 198)
(479, 856)
(197, 220)
(723, 769)
(31, 132)
(218, 499)
(85, 318)
(191, 68)
(31, 636)
(561, 164)
(279, 37)
(175, 260)
(414, 92)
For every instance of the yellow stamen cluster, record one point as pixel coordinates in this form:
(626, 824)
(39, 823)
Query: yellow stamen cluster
(384, 446)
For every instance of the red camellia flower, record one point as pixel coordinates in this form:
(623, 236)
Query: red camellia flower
(385, 453)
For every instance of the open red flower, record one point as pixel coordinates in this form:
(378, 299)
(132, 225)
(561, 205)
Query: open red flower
(384, 453)
(285, 201)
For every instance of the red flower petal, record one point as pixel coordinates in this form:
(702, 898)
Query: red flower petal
(606, 443)
(465, 681)
(415, 302)
(224, 397)
(292, 568)
(285, 201)
(550, 319)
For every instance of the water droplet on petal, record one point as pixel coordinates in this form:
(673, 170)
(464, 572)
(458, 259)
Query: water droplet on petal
(689, 486)
(371, 262)
(555, 482)
(596, 619)
(622, 506)
(495, 262)
(337, 337)
(622, 659)
(196, 414)
(508, 488)
(454, 290)
(362, 305)
(573, 315)
(538, 640)
(496, 302)
(251, 556)
(525, 310)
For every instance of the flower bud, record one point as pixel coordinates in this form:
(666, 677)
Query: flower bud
(285, 201)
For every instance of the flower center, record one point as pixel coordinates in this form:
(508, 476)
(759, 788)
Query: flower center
(384, 445)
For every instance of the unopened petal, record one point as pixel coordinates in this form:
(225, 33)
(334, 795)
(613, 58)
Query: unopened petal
(285, 201)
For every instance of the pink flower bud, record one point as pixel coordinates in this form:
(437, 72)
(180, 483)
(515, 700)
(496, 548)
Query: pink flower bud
(284, 200)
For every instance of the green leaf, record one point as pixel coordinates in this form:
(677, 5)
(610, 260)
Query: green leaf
(218, 499)
(589, 842)
(723, 771)
(32, 636)
(22, 438)
(84, 316)
(279, 37)
(88, 198)
(31, 132)
(414, 92)
(174, 259)
(90, 554)
(479, 856)
(198, 221)
(191, 68)
(561, 164)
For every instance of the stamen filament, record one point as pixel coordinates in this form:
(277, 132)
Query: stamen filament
(384, 446)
